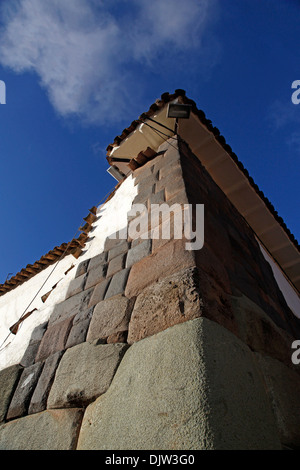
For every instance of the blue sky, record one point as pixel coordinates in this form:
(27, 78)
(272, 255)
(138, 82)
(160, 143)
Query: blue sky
(79, 71)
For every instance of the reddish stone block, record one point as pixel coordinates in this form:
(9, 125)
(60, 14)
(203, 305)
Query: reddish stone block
(173, 300)
(168, 259)
(54, 339)
(110, 317)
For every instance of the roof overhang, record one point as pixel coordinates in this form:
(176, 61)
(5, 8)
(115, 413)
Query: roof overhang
(223, 166)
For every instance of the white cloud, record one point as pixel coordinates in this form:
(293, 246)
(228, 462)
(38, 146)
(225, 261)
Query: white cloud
(83, 50)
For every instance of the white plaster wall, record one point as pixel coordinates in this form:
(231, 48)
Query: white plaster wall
(289, 293)
(112, 217)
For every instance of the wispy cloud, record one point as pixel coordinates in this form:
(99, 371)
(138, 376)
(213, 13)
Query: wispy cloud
(84, 51)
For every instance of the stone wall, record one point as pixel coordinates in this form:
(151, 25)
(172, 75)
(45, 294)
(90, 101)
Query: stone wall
(159, 347)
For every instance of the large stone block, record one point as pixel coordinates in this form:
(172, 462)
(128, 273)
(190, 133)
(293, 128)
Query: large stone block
(259, 332)
(54, 339)
(175, 299)
(168, 259)
(117, 284)
(283, 386)
(39, 398)
(26, 385)
(110, 316)
(49, 430)
(8, 381)
(192, 386)
(71, 307)
(85, 372)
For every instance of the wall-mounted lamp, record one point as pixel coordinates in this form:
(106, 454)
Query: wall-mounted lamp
(176, 110)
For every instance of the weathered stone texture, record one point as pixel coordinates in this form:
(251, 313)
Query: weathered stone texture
(96, 275)
(71, 307)
(26, 385)
(99, 292)
(84, 372)
(76, 285)
(259, 332)
(118, 283)
(192, 386)
(30, 354)
(283, 387)
(116, 264)
(39, 398)
(54, 339)
(110, 317)
(49, 430)
(138, 252)
(168, 259)
(8, 381)
(173, 300)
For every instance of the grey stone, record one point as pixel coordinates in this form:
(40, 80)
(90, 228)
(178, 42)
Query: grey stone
(192, 386)
(85, 372)
(283, 386)
(259, 332)
(31, 351)
(76, 285)
(21, 399)
(118, 250)
(49, 430)
(99, 292)
(71, 307)
(138, 252)
(39, 398)
(8, 381)
(96, 275)
(98, 260)
(78, 333)
(118, 283)
(83, 315)
(82, 267)
(110, 316)
(116, 265)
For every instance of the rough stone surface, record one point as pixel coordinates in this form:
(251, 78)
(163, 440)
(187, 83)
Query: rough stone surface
(110, 316)
(82, 268)
(97, 260)
(39, 398)
(116, 264)
(99, 292)
(283, 385)
(8, 381)
(84, 372)
(71, 307)
(118, 283)
(192, 386)
(76, 285)
(118, 250)
(54, 339)
(138, 252)
(49, 430)
(21, 399)
(168, 259)
(173, 300)
(30, 354)
(257, 330)
(96, 275)
(78, 333)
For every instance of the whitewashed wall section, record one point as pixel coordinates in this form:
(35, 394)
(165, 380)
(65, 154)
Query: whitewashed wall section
(112, 216)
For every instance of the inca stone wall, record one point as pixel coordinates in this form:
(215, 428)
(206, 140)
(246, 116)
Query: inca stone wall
(159, 347)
